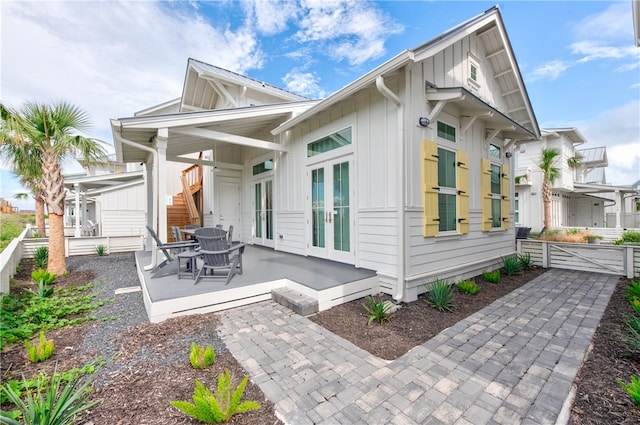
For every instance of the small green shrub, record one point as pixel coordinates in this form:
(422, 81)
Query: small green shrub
(630, 236)
(635, 303)
(572, 231)
(201, 357)
(633, 290)
(493, 277)
(468, 286)
(378, 310)
(633, 325)
(101, 250)
(54, 401)
(440, 295)
(213, 408)
(40, 351)
(41, 257)
(510, 265)
(632, 388)
(524, 260)
(44, 280)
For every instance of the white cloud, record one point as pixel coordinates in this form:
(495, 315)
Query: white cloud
(551, 70)
(619, 130)
(270, 17)
(591, 50)
(111, 58)
(304, 83)
(614, 23)
(349, 30)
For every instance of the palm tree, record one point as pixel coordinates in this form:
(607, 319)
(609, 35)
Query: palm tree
(46, 133)
(550, 172)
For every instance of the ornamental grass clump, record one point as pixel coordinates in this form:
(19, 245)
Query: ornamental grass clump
(468, 287)
(41, 350)
(524, 260)
(101, 250)
(632, 388)
(41, 257)
(440, 295)
(492, 277)
(55, 401)
(379, 311)
(213, 408)
(201, 357)
(510, 265)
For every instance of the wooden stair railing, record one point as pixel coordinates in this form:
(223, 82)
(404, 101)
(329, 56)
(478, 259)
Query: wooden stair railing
(191, 184)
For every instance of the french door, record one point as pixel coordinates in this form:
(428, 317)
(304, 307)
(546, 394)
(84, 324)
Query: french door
(263, 212)
(330, 225)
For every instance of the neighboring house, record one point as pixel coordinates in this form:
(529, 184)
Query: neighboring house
(407, 170)
(109, 199)
(580, 192)
(6, 207)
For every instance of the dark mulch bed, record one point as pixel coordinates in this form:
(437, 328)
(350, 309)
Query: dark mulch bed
(415, 322)
(599, 398)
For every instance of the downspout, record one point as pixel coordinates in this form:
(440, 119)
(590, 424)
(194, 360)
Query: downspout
(392, 97)
(118, 134)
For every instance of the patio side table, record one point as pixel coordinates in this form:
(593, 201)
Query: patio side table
(189, 257)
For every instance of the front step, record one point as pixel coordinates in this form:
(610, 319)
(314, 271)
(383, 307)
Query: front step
(299, 303)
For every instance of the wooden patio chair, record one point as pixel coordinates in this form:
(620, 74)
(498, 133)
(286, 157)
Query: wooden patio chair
(219, 258)
(169, 250)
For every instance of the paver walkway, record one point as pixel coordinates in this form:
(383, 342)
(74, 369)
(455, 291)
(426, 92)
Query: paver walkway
(513, 362)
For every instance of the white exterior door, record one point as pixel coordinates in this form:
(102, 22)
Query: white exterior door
(330, 203)
(228, 204)
(263, 212)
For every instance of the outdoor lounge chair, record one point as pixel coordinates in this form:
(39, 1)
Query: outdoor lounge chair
(169, 250)
(219, 258)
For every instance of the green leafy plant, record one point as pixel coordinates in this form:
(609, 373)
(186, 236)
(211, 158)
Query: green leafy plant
(101, 250)
(633, 325)
(44, 280)
(493, 277)
(524, 260)
(378, 310)
(53, 402)
(510, 265)
(213, 408)
(24, 315)
(440, 295)
(201, 357)
(630, 236)
(41, 257)
(468, 286)
(572, 231)
(40, 351)
(635, 303)
(632, 388)
(633, 290)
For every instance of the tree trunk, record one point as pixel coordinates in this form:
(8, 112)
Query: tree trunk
(546, 199)
(57, 260)
(40, 217)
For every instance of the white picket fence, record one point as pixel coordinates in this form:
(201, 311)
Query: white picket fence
(24, 247)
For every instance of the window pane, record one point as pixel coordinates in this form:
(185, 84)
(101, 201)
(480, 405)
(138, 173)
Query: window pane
(317, 207)
(517, 210)
(496, 209)
(494, 151)
(446, 131)
(447, 212)
(258, 212)
(263, 167)
(341, 236)
(333, 141)
(495, 179)
(446, 168)
(474, 73)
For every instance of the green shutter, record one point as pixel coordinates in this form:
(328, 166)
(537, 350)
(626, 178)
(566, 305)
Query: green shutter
(430, 218)
(485, 188)
(463, 191)
(506, 202)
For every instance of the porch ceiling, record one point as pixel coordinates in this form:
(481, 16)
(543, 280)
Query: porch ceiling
(201, 131)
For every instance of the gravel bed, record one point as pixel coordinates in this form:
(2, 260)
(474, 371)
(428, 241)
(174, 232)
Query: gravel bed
(122, 312)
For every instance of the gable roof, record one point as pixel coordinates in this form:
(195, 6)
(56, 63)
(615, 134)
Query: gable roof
(490, 28)
(204, 84)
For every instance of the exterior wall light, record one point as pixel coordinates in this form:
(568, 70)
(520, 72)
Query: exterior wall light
(424, 121)
(508, 155)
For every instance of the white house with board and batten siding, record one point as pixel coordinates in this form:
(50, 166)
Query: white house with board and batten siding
(406, 171)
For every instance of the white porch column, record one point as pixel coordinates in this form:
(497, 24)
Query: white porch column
(161, 142)
(77, 233)
(619, 205)
(149, 185)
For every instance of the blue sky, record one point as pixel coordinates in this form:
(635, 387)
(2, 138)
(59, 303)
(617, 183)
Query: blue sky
(111, 58)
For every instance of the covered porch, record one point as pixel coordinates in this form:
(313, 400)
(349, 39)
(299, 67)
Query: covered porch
(326, 282)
